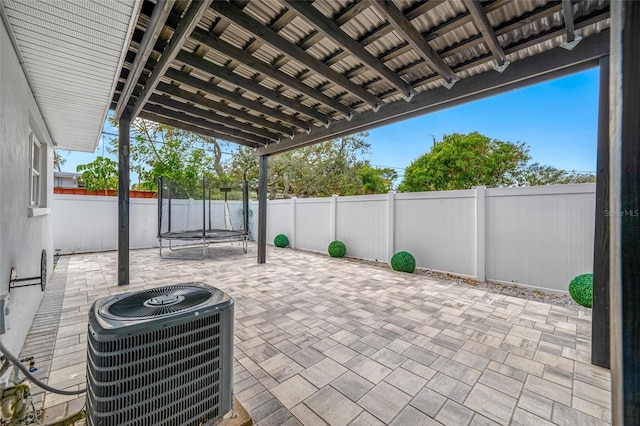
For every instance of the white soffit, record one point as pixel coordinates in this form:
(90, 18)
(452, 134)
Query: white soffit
(73, 50)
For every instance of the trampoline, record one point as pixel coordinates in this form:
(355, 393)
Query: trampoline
(199, 216)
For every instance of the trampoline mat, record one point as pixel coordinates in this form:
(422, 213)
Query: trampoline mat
(209, 234)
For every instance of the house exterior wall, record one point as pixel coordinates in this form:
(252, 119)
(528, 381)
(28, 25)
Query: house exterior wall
(24, 231)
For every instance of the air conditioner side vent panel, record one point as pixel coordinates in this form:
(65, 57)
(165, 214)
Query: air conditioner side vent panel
(166, 369)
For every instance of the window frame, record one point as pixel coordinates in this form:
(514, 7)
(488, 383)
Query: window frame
(35, 171)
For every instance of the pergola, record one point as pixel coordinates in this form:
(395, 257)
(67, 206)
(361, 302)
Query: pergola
(283, 74)
(276, 75)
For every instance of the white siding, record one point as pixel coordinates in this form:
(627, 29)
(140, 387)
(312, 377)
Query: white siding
(73, 53)
(22, 238)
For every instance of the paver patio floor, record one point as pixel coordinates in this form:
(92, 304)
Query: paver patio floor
(327, 341)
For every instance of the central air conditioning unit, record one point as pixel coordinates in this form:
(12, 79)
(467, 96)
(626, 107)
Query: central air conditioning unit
(162, 356)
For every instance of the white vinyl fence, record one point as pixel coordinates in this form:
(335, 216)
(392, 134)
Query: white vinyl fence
(90, 223)
(538, 237)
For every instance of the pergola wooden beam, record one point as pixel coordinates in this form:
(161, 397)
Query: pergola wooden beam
(124, 182)
(624, 206)
(440, 30)
(340, 18)
(223, 24)
(213, 42)
(276, 26)
(584, 21)
(195, 129)
(567, 13)
(403, 26)
(207, 87)
(270, 37)
(191, 18)
(200, 99)
(513, 48)
(482, 23)
(308, 12)
(601, 312)
(571, 39)
(158, 17)
(544, 66)
(349, 12)
(505, 27)
(212, 116)
(411, 13)
(226, 133)
(197, 62)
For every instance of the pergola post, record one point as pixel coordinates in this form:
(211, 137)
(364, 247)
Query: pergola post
(624, 209)
(262, 210)
(124, 129)
(600, 335)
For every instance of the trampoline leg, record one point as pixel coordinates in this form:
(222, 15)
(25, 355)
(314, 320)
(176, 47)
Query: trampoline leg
(245, 245)
(205, 244)
(161, 255)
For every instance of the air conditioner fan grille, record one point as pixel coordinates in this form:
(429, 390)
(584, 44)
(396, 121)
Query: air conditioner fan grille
(158, 302)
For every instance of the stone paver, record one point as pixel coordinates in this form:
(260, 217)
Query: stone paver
(323, 372)
(406, 381)
(326, 341)
(384, 401)
(491, 403)
(293, 391)
(333, 407)
(352, 385)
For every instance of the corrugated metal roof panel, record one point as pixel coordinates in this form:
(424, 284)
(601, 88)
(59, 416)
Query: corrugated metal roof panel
(524, 28)
(72, 52)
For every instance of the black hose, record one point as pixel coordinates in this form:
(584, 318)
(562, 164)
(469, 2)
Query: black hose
(17, 364)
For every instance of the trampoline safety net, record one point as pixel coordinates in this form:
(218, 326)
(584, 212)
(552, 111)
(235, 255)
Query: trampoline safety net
(207, 213)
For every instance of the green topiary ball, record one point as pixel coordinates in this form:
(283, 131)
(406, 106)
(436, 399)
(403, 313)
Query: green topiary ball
(281, 240)
(581, 289)
(403, 261)
(337, 249)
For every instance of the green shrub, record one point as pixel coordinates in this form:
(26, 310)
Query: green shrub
(337, 249)
(581, 289)
(281, 240)
(403, 261)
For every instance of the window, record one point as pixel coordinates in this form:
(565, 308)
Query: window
(36, 170)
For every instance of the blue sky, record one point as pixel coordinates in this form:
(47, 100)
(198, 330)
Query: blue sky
(557, 119)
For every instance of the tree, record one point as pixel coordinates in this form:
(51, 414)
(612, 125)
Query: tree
(180, 156)
(321, 170)
(376, 180)
(99, 175)
(462, 161)
(580, 177)
(536, 175)
(58, 160)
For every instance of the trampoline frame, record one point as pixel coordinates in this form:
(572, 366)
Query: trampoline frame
(206, 236)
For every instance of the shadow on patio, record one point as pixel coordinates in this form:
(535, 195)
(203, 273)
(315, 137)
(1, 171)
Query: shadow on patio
(320, 340)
